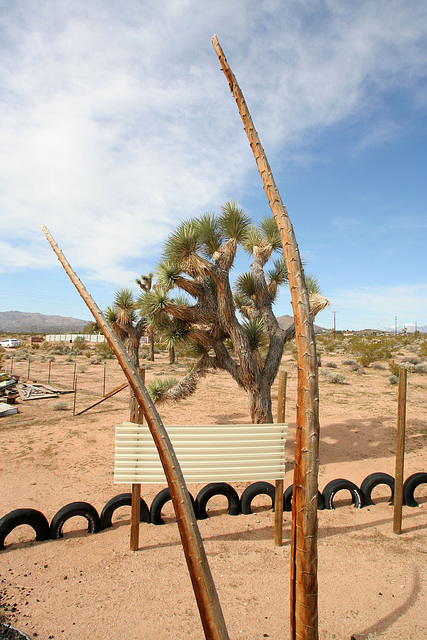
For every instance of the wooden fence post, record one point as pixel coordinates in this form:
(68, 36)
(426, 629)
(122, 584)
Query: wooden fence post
(400, 452)
(75, 395)
(278, 495)
(136, 490)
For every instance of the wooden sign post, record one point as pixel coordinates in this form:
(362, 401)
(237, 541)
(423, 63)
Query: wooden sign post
(136, 490)
(279, 484)
(400, 452)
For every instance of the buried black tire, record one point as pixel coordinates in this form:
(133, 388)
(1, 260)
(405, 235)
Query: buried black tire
(32, 517)
(217, 489)
(159, 502)
(256, 489)
(287, 499)
(409, 487)
(83, 509)
(338, 485)
(7, 632)
(122, 500)
(372, 481)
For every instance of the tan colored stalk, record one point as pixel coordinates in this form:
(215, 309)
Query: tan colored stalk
(304, 590)
(201, 577)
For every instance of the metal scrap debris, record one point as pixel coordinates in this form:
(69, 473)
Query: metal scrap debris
(38, 391)
(11, 389)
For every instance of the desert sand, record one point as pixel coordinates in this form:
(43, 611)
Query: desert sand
(372, 583)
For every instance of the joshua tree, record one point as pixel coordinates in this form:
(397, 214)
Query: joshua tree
(197, 259)
(124, 320)
(146, 283)
(91, 327)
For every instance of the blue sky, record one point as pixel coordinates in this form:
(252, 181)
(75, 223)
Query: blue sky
(117, 123)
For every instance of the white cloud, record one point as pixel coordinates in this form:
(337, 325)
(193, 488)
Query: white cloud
(116, 121)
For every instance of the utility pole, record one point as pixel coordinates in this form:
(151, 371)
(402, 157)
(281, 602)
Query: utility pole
(395, 325)
(335, 326)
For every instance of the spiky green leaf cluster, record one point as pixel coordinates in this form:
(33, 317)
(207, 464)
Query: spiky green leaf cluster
(255, 332)
(210, 234)
(182, 243)
(233, 221)
(158, 387)
(175, 332)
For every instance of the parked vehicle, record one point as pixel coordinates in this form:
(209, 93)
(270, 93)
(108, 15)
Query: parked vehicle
(10, 343)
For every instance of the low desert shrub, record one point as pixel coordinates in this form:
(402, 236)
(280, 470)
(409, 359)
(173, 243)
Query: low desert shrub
(20, 357)
(369, 349)
(80, 343)
(393, 379)
(411, 360)
(394, 368)
(104, 350)
(334, 378)
(144, 353)
(327, 342)
(331, 365)
(60, 405)
(423, 349)
(378, 365)
(57, 351)
(420, 368)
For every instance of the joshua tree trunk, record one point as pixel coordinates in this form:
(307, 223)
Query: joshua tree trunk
(260, 405)
(304, 590)
(132, 349)
(151, 341)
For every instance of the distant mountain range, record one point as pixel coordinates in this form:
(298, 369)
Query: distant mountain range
(21, 322)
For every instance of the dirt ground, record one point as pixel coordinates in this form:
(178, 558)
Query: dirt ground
(372, 583)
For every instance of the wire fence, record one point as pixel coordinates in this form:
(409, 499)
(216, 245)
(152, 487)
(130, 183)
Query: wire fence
(88, 382)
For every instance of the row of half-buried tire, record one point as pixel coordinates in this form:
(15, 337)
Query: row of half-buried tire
(360, 497)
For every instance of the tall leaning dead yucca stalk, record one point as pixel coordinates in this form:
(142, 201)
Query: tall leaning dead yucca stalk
(198, 567)
(304, 618)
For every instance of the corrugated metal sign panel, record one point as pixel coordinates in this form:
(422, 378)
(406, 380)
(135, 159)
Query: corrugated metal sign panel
(206, 453)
